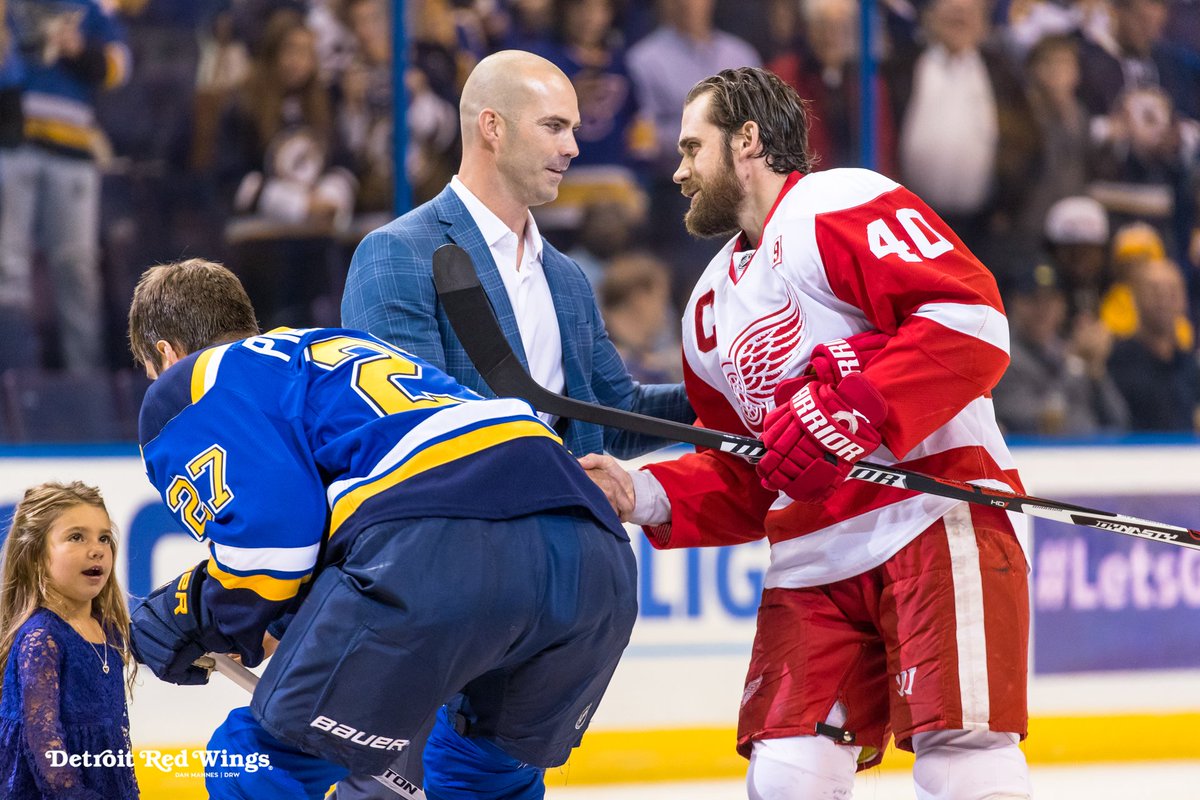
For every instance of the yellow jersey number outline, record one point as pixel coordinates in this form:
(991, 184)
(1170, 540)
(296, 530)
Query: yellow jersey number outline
(183, 496)
(379, 374)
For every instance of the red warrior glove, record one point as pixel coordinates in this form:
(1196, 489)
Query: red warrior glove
(834, 360)
(814, 438)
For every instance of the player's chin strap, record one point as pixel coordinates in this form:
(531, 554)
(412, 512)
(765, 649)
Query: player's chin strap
(246, 679)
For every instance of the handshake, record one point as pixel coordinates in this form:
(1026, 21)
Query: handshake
(824, 421)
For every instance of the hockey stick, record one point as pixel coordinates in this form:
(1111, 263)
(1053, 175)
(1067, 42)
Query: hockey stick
(471, 316)
(234, 671)
(475, 324)
(248, 680)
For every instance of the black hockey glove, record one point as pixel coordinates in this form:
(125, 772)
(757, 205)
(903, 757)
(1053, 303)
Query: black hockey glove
(170, 629)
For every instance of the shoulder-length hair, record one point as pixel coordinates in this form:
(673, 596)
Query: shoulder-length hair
(751, 94)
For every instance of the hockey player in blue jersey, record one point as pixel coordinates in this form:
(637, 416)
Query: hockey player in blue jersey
(431, 544)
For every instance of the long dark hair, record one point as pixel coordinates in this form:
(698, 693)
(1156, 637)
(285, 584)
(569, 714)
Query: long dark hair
(750, 94)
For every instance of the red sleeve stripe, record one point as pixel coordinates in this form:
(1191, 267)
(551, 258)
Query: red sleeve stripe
(979, 321)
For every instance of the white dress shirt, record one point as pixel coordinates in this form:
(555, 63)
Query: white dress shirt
(951, 130)
(527, 290)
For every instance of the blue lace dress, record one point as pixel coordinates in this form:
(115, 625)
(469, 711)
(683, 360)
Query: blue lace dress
(56, 697)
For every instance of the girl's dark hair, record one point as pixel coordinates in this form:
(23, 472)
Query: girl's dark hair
(751, 94)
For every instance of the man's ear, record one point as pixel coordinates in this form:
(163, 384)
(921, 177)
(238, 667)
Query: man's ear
(168, 353)
(746, 142)
(491, 126)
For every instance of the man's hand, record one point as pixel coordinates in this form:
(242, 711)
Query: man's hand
(814, 438)
(613, 480)
(167, 633)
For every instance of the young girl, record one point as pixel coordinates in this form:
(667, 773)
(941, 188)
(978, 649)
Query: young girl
(64, 629)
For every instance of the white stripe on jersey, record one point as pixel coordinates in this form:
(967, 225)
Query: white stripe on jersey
(848, 547)
(213, 365)
(968, 616)
(975, 425)
(445, 421)
(982, 322)
(274, 559)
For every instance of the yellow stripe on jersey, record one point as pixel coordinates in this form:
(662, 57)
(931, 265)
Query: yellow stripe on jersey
(435, 456)
(60, 133)
(199, 370)
(264, 586)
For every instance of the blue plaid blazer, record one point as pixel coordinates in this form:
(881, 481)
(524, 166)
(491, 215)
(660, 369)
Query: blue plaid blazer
(389, 293)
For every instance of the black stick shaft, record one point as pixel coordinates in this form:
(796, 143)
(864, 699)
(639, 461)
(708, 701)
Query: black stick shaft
(474, 322)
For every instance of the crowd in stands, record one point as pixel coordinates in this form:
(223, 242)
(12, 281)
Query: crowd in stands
(1059, 138)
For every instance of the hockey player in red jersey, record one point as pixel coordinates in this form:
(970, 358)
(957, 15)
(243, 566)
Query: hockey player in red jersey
(844, 319)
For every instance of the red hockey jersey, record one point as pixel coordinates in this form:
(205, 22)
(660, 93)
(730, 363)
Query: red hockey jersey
(842, 252)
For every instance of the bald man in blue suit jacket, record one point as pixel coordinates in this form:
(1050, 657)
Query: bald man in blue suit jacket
(518, 113)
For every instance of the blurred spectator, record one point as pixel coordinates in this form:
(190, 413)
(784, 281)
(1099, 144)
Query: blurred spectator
(278, 141)
(224, 59)
(364, 114)
(433, 139)
(606, 230)
(635, 298)
(1077, 243)
(1137, 58)
(1159, 379)
(530, 25)
(967, 138)
(684, 49)
(612, 136)
(1052, 71)
(337, 43)
(12, 73)
(783, 29)
(250, 18)
(1145, 163)
(589, 50)
(435, 48)
(18, 349)
(1030, 21)
(1133, 245)
(72, 50)
(438, 66)
(1054, 385)
(826, 73)
(224, 67)
(164, 48)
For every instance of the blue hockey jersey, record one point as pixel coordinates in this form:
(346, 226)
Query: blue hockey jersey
(278, 450)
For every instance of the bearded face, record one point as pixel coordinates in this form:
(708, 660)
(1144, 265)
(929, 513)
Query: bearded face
(716, 199)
